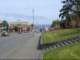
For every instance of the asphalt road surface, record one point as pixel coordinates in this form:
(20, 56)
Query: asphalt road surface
(20, 46)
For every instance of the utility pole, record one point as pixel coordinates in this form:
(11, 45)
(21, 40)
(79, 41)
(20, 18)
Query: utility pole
(33, 14)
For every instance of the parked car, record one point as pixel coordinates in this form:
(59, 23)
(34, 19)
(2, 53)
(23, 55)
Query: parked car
(4, 33)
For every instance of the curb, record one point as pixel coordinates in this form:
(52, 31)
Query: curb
(58, 43)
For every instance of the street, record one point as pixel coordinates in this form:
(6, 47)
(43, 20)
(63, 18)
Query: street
(20, 46)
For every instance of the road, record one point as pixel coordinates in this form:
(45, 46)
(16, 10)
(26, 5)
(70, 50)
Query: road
(20, 46)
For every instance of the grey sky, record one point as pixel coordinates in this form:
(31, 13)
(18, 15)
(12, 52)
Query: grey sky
(45, 10)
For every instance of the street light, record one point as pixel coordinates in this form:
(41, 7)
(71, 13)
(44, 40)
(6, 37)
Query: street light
(33, 11)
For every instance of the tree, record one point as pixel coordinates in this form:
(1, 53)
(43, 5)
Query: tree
(67, 11)
(76, 4)
(56, 23)
(5, 25)
(76, 11)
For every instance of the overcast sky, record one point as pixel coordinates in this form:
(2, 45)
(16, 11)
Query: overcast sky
(45, 10)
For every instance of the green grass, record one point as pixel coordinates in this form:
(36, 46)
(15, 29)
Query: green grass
(71, 52)
(58, 35)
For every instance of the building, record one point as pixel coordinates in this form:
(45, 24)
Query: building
(20, 26)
